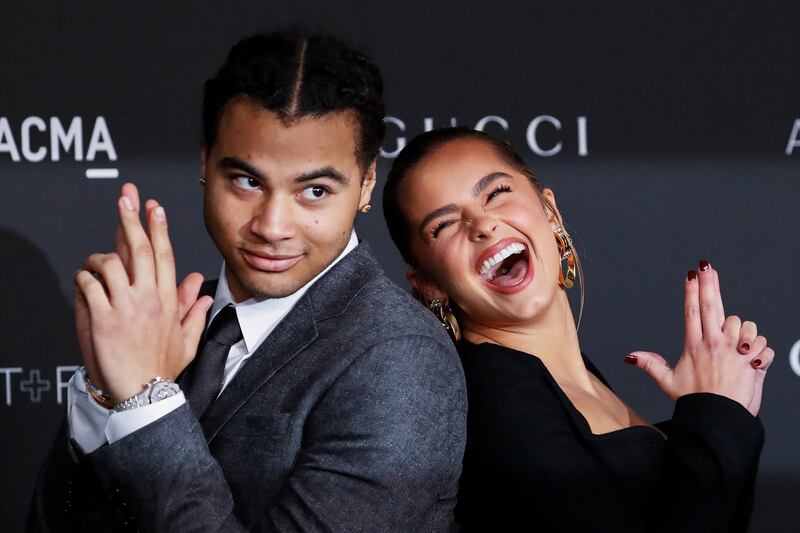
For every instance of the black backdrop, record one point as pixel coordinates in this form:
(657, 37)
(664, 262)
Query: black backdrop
(669, 134)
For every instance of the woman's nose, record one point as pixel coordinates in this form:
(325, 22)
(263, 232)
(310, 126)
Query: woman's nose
(482, 228)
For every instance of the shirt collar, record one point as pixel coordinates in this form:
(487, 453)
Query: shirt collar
(259, 316)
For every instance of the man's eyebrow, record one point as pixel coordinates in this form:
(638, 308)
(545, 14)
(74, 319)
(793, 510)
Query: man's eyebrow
(324, 172)
(235, 163)
(487, 180)
(436, 213)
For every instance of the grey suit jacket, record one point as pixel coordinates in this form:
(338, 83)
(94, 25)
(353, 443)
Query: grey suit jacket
(351, 416)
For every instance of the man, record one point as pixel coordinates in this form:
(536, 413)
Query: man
(322, 398)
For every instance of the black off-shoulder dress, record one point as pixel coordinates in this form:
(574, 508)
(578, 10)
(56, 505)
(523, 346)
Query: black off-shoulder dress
(533, 464)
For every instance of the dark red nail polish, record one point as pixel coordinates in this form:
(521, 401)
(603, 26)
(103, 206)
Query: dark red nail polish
(744, 347)
(755, 363)
(691, 275)
(631, 359)
(704, 264)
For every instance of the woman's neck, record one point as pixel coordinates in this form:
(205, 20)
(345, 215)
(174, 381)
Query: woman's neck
(553, 338)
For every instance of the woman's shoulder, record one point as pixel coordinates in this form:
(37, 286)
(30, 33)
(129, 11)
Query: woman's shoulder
(488, 360)
(497, 375)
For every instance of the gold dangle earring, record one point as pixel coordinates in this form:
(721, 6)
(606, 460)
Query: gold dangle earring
(445, 315)
(566, 278)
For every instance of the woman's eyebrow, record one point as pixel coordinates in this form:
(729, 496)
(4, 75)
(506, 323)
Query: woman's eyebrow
(485, 181)
(436, 213)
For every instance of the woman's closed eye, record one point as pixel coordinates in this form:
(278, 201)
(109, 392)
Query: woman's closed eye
(440, 226)
(497, 191)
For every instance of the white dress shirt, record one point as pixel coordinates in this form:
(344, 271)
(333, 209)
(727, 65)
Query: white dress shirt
(92, 425)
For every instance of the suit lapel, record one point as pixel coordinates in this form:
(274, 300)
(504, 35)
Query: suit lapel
(293, 334)
(329, 297)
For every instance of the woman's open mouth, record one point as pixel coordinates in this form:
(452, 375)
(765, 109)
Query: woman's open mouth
(506, 266)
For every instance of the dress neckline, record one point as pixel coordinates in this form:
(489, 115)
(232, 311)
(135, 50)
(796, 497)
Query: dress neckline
(577, 417)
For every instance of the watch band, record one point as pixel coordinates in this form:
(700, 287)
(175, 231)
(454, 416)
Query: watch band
(155, 390)
(97, 394)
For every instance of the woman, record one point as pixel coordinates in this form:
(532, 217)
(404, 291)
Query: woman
(550, 447)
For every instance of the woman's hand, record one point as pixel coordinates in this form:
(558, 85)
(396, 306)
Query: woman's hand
(721, 355)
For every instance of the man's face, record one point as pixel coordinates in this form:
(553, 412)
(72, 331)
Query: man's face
(280, 200)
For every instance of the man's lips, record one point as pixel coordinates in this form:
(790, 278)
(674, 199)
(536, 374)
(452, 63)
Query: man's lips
(271, 262)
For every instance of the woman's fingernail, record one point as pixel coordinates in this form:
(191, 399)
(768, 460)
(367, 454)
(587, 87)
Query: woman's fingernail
(691, 275)
(744, 347)
(631, 359)
(159, 213)
(704, 264)
(127, 203)
(755, 363)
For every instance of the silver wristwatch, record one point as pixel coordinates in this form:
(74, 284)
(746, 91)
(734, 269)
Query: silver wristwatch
(155, 390)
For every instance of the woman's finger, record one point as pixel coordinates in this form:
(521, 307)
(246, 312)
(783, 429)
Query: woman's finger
(691, 310)
(757, 346)
(655, 366)
(763, 359)
(708, 301)
(720, 306)
(747, 336)
(732, 327)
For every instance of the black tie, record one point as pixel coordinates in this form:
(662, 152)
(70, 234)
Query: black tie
(203, 381)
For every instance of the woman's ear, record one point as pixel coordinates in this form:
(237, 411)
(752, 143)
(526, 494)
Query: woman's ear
(424, 289)
(550, 207)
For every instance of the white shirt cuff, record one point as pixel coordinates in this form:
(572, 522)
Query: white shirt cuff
(123, 423)
(86, 418)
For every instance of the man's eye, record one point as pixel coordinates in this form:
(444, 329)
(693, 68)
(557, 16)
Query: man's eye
(314, 193)
(247, 183)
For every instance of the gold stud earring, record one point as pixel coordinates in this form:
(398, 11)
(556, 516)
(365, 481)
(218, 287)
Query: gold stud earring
(566, 278)
(441, 308)
(366, 208)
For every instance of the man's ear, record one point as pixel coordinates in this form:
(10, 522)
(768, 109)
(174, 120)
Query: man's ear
(368, 183)
(203, 158)
(423, 288)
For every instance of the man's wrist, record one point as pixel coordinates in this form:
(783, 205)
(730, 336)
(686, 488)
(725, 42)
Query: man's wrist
(98, 395)
(155, 390)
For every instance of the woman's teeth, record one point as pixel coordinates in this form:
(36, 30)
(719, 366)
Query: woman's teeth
(497, 258)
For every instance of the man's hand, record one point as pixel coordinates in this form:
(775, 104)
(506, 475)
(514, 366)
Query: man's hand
(133, 323)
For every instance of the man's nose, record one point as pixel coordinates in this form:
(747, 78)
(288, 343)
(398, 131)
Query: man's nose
(273, 219)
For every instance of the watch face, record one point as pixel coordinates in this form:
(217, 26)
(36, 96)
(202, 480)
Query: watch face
(161, 390)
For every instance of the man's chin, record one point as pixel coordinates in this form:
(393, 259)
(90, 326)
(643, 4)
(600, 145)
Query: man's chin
(272, 285)
(279, 289)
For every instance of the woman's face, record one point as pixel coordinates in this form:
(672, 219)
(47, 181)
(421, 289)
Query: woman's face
(480, 233)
